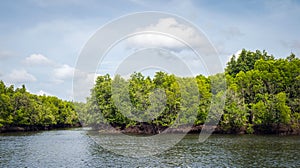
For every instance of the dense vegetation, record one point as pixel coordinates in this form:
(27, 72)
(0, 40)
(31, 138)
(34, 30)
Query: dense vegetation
(263, 94)
(21, 108)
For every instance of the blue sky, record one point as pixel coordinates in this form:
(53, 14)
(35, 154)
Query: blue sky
(41, 40)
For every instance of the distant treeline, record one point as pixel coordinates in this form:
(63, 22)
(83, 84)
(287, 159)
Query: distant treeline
(262, 95)
(19, 108)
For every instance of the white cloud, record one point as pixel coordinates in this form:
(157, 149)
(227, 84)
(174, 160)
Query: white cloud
(171, 27)
(236, 54)
(154, 40)
(41, 93)
(83, 82)
(64, 72)
(37, 59)
(20, 76)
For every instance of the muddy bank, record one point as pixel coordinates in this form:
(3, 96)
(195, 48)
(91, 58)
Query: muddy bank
(280, 129)
(24, 128)
(150, 129)
(146, 128)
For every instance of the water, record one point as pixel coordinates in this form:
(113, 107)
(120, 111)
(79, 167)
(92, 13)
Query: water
(76, 148)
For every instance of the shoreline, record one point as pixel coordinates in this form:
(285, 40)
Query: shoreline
(34, 128)
(146, 129)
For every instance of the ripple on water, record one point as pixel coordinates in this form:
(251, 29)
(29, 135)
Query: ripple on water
(75, 148)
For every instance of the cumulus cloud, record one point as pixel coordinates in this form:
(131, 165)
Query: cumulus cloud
(41, 93)
(64, 72)
(20, 76)
(37, 59)
(236, 54)
(82, 83)
(161, 35)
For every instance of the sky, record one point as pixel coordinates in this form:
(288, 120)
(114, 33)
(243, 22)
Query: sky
(41, 40)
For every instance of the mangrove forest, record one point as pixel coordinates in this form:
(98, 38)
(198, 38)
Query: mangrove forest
(262, 96)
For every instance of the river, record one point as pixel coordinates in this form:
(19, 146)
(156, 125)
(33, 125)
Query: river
(77, 148)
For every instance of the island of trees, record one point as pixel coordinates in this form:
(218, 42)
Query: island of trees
(262, 96)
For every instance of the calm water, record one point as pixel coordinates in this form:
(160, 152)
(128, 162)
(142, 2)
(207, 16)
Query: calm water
(76, 148)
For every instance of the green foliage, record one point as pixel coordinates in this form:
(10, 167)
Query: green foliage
(261, 91)
(269, 89)
(235, 112)
(18, 108)
(245, 61)
(140, 99)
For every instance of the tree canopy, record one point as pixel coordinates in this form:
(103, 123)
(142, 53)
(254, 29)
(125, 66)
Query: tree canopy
(262, 93)
(18, 107)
